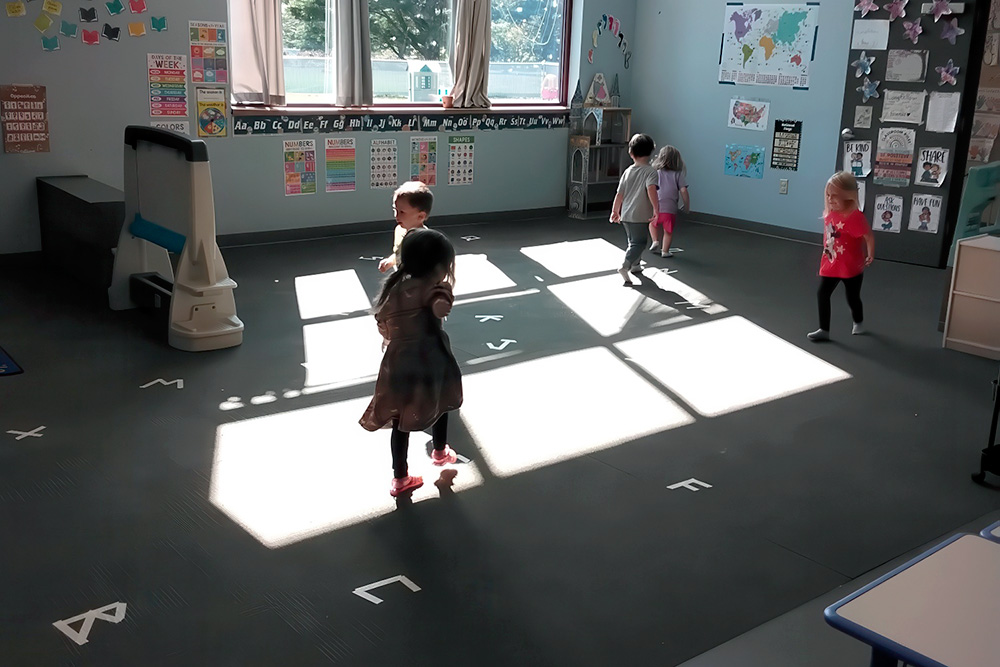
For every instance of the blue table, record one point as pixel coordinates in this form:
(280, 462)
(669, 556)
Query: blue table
(941, 609)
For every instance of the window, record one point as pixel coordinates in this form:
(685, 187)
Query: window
(410, 49)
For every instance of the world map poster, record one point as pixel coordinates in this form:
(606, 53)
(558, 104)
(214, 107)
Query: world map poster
(768, 45)
(745, 161)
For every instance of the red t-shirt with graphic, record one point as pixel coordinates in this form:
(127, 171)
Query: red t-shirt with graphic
(843, 244)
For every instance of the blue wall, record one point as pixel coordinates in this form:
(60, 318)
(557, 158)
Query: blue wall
(679, 101)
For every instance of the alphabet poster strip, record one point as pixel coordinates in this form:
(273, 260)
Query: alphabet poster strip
(925, 213)
(423, 160)
(888, 213)
(461, 159)
(858, 158)
(932, 165)
(167, 85)
(341, 165)
(384, 165)
(785, 148)
(391, 122)
(300, 167)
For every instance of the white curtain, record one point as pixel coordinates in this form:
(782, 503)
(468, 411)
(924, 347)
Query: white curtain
(470, 52)
(352, 52)
(258, 75)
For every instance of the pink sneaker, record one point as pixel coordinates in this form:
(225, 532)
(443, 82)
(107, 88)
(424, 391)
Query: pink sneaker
(443, 457)
(401, 485)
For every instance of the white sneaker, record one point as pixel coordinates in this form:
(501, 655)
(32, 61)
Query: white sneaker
(655, 246)
(667, 254)
(819, 334)
(857, 329)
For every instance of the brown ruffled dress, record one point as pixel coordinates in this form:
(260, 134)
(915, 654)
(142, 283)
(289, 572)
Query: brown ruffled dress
(419, 379)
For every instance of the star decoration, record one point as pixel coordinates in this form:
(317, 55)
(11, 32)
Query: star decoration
(940, 8)
(865, 6)
(948, 73)
(863, 65)
(868, 89)
(912, 30)
(896, 9)
(950, 30)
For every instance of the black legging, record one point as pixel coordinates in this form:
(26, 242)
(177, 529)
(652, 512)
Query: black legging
(853, 288)
(399, 442)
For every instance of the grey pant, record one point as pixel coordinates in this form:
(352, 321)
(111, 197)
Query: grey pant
(637, 234)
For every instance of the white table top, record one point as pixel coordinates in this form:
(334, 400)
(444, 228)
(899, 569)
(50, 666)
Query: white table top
(992, 532)
(944, 607)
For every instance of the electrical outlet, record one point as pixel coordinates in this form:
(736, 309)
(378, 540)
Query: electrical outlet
(783, 186)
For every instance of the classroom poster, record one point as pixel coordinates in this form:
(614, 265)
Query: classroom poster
(903, 106)
(858, 158)
(167, 84)
(748, 114)
(906, 66)
(980, 149)
(894, 159)
(300, 166)
(785, 146)
(862, 117)
(942, 111)
(745, 161)
(182, 126)
(986, 125)
(768, 45)
(208, 52)
(384, 163)
(211, 111)
(988, 99)
(341, 165)
(423, 160)
(925, 213)
(461, 159)
(870, 34)
(932, 167)
(24, 119)
(888, 213)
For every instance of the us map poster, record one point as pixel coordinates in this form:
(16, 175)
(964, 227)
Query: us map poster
(748, 114)
(167, 85)
(768, 45)
(341, 165)
(461, 159)
(300, 166)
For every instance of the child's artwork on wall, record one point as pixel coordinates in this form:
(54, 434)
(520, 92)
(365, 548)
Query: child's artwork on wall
(300, 166)
(872, 34)
(748, 114)
(598, 94)
(932, 167)
(768, 45)
(423, 160)
(858, 158)
(906, 66)
(384, 164)
(942, 111)
(894, 159)
(862, 117)
(341, 165)
(903, 106)
(167, 76)
(888, 213)
(15, 9)
(461, 159)
(925, 213)
(612, 26)
(745, 161)
(56, 19)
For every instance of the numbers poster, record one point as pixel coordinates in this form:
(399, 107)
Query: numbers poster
(384, 164)
(300, 167)
(461, 158)
(423, 159)
(341, 165)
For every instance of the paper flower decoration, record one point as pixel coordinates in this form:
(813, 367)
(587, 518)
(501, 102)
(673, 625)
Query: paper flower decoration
(912, 30)
(868, 89)
(950, 30)
(940, 8)
(948, 73)
(896, 9)
(865, 6)
(863, 65)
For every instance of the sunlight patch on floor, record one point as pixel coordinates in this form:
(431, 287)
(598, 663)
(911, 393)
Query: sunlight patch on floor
(475, 273)
(729, 364)
(605, 304)
(333, 293)
(536, 413)
(293, 475)
(567, 259)
(342, 352)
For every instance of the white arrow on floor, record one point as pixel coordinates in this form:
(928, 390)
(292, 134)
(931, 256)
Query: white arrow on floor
(362, 592)
(489, 318)
(504, 342)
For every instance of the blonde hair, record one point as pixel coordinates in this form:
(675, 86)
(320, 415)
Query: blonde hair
(846, 183)
(669, 159)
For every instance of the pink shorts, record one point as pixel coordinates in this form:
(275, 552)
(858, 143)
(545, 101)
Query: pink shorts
(666, 220)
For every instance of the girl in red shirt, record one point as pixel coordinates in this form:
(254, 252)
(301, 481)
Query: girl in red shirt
(848, 247)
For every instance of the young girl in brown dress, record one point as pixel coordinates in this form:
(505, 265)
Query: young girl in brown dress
(419, 381)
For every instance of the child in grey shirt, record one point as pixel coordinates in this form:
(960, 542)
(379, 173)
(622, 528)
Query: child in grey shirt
(636, 204)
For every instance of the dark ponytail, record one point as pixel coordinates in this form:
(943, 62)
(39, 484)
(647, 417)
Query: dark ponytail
(422, 252)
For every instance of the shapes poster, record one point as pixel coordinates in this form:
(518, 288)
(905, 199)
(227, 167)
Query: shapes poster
(858, 158)
(888, 213)
(300, 166)
(894, 159)
(167, 84)
(745, 161)
(24, 118)
(384, 161)
(208, 52)
(932, 167)
(423, 160)
(768, 45)
(925, 213)
(748, 114)
(461, 159)
(341, 165)
(211, 111)
(785, 148)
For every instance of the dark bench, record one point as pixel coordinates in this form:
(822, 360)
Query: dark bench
(80, 222)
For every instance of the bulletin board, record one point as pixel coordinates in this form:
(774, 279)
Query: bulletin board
(909, 101)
